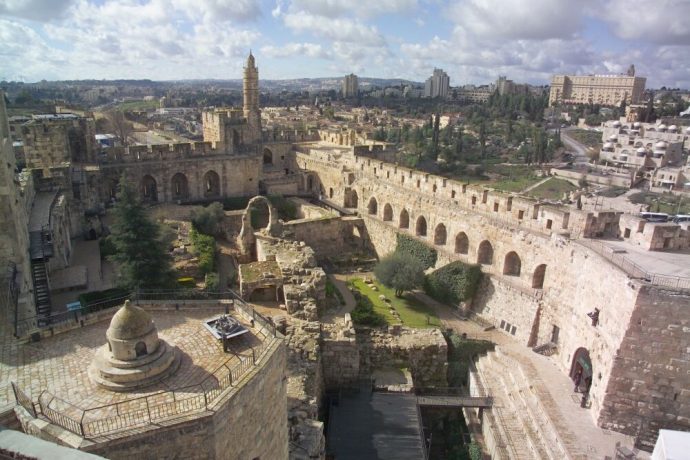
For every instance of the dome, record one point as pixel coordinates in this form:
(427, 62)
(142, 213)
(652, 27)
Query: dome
(660, 145)
(636, 124)
(661, 127)
(616, 124)
(673, 128)
(613, 138)
(687, 130)
(130, 322)
(641, 150)
(608, 145)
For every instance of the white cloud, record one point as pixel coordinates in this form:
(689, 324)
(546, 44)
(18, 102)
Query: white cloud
(311, 50)
(36, 10)
(338, 8)
(665, 22)
(339, 29)
(219, 10)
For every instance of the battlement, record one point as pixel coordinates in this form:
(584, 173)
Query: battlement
(289, 135)
(224, 115)
(160, 152)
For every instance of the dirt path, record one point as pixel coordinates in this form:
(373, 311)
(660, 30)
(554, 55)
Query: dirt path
(340, 283)
(226, 262)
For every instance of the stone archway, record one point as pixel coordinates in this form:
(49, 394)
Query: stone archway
(404, 219)
(351, 199)
(373, 206)
(179, 187)
(387, 212)
(582, 364)
(211, 184)
(440, 235)
(149, 189)
(485, 253)
(246, 239)
(268, 156)
(512, 264)
(462, 243)
(420, 226)
(538, 276)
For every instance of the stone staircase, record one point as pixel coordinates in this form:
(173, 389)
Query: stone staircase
(39, 273)
(521, 421)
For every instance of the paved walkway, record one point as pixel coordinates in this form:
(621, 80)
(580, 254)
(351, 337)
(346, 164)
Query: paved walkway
(574, 424)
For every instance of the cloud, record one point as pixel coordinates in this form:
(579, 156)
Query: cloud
(220, 10)
(339, 8)
(311, 50)
(665, 22)
(35, 10)
(340, 29)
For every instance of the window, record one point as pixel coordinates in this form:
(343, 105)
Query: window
(521, 215)
(503, 323)
(474, 200)
(495, 207)
(452, 194)
(549, 223)
(512, 330)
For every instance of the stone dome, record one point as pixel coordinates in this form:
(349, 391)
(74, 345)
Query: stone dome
(130, 322)
(636, 124)
(661, 127)
(616, 124)
(613, 137)
(673, 128)
(608, 145)
(641, 150)
(660, 145)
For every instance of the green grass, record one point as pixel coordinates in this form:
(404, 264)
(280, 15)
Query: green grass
(138, 105)
(412, 313)
(552, 189)
(662, 202)
(588, 138)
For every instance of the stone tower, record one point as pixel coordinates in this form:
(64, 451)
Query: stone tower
(250, 90)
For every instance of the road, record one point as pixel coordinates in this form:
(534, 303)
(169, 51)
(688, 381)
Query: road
(579, 150)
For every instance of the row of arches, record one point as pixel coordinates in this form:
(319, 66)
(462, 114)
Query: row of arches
(512, 264)
(179, 187)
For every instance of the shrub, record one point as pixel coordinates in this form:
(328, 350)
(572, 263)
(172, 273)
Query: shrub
(211, 281)
(235, 203)
(107, 247)
(205, 249)
(364, 313)
(287, 210)
(207, 220)
(420, 251)
(453, 283)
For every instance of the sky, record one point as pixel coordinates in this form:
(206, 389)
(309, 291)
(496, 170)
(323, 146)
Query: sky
(474, 41)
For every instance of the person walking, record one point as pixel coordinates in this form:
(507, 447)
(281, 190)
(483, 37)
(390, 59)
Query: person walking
(577, 379)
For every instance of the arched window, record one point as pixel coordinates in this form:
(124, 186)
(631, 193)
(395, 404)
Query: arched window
(387, 212)
(140, 349)
(211, 184)
(268, 157)
(485, 253)
(351, 199)
(440, 235)
(538, 276)
(373, 206)
(404, 219)
(462, 243)
(179, 187)
(420, 227)
(512, 264)
(149, 189)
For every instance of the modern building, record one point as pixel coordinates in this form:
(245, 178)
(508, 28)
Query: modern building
(597, 89)
(437, 85)
(350, 86)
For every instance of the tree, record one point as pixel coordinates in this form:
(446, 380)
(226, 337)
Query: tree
(141, 256)
(207, 220)
(400, 271)
(120, 125)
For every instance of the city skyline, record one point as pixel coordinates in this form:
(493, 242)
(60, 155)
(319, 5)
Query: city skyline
(474, 41)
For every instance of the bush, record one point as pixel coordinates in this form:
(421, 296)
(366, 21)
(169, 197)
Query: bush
(205, 249)
(364, 313)
(211, 281)
(420, 251)
(400, 271)
(107, 247)
(235, 203)
(287, 210)
(453, 283)
(207, 220)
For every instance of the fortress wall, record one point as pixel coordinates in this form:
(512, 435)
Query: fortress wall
(649, 388)
(326, 236)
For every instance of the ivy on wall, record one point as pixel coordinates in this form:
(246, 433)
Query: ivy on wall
(453, 283)
(420, 251)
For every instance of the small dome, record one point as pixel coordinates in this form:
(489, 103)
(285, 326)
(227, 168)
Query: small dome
(636, 124)
(608, 145)
(661, 127)
(616, 124)
(673, 128)
(641, 150)
(687, 130)
(613, 138)
(660, 145)
(130, 322)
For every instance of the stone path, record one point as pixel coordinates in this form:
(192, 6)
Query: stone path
(340, 282)
(575, 426)
(535, 185)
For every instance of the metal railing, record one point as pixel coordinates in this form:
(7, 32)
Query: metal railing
(165, 405)
(635, 270)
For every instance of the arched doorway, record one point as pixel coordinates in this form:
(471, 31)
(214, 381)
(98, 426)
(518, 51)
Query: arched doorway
(211, 184)
(404, 219)
(351, 199)
(236, 139)
(149, 190)
(268, 157)
(420, 226)
(462, 243)
(538, 277)
(440, 235)
(373, 206)
(140, 349)
(582, 365)
(179, 187)
(512, 264)
(485, 253)
(387, 212)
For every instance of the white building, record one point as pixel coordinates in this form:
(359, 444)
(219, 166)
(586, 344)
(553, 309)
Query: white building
(437, 85)
(350, 86)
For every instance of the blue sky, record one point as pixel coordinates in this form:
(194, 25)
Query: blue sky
(473, 40)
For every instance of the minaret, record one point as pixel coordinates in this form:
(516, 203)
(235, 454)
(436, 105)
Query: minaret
(250, 90)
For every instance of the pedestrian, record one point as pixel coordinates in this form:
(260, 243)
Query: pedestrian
(578, 379)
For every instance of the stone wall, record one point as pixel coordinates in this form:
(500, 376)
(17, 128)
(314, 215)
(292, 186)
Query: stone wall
(329, 236)
(341, 354)
(649, 388)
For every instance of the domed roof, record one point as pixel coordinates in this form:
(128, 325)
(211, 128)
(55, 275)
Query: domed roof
(641, 150)
(673, 128)
(616, 124)
(130, 322)
(661, 126)
(608, 145)
(636, 124)
(613, 137)
(660, 145)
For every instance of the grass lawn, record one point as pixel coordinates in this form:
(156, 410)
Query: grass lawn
(412, 313)
(512, 178)
(138, 105)
(586, 137)
(552, 189)
(662, 202)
